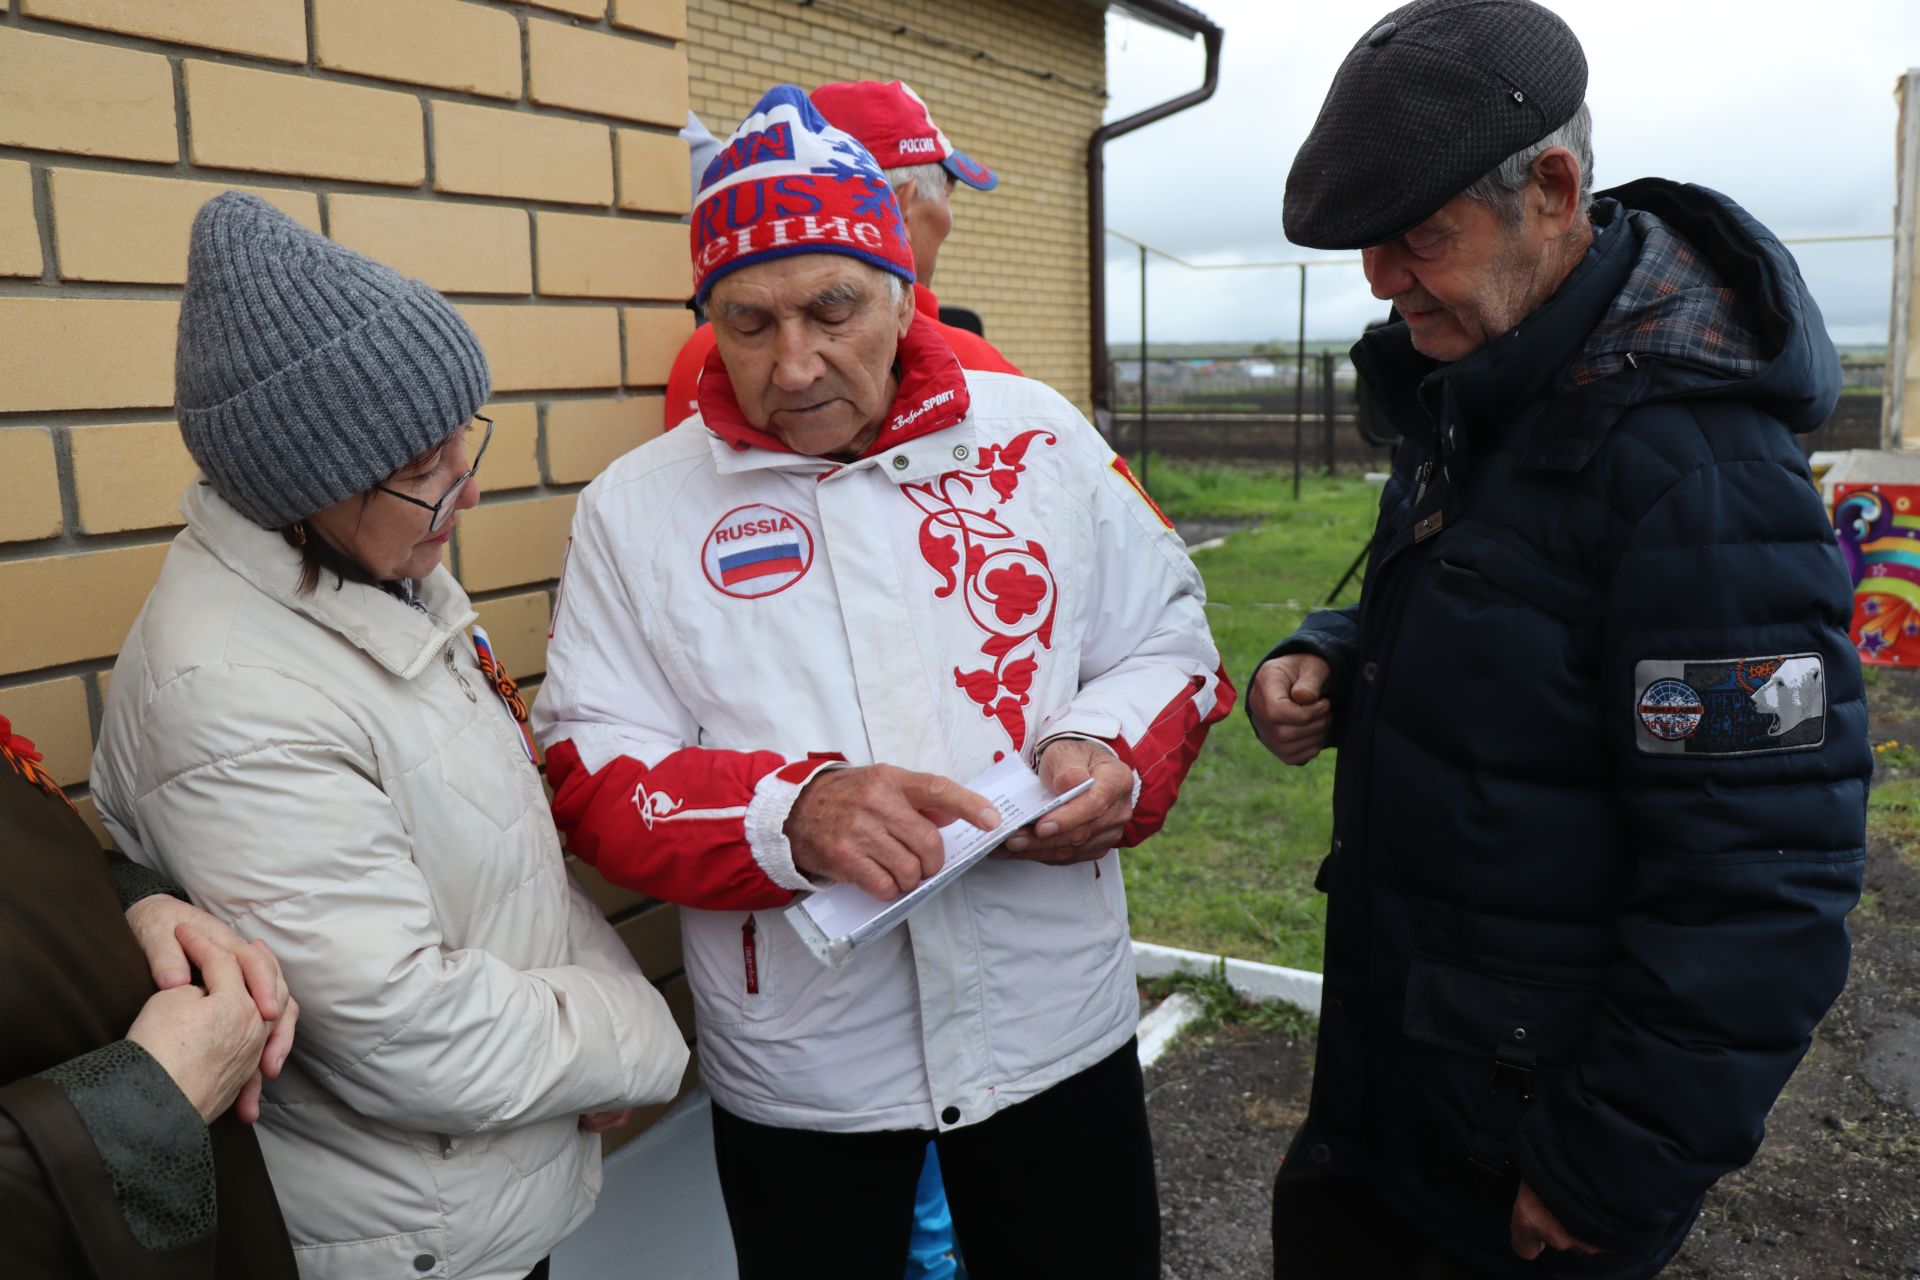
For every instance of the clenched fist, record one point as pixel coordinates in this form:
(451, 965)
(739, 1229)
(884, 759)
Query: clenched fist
(1291, 714)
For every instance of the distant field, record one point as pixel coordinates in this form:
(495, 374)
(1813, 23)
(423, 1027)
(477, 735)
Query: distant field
(1232, 873)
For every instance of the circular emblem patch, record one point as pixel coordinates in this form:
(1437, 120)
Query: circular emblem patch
(757, 550)
(1671, 709)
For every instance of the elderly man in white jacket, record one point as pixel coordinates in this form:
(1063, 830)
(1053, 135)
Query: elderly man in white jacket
(783, 632)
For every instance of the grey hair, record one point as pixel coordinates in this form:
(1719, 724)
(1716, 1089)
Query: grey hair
(1501, 186)
(929, 181)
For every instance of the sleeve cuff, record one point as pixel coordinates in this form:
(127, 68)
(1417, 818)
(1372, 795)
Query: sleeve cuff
(134, 882)
(766, 822)
(150, 1138)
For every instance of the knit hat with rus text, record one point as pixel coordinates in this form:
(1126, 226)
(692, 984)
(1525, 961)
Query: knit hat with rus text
(893, 123)
(1429, 100)
(787, 183)
(306, 373)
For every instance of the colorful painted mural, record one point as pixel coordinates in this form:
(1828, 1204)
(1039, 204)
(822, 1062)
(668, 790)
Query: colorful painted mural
(1878, 526)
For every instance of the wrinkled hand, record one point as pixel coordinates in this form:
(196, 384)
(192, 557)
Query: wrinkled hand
(161, 923)
(1291, 715)
(1086, 826)
(605, 1121)
(878, 826)
(1534, 1229)
(156, 920)
(208, 1039)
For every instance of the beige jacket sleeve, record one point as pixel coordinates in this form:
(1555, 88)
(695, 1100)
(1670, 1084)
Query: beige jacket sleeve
(282, 829)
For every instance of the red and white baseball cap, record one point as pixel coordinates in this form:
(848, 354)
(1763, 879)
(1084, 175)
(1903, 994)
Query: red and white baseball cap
(891, 122)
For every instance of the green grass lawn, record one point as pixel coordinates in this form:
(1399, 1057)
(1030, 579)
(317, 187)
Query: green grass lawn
(1232, 872)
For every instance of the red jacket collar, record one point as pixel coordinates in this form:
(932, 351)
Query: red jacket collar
(932, 395)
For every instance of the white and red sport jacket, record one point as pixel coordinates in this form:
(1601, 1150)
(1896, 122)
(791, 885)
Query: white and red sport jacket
(734, 616)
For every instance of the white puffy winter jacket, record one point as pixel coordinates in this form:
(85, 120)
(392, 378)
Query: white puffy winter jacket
(334, 775)
(734, 614)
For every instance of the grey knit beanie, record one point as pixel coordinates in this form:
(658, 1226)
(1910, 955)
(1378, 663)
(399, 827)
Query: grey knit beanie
(305, 372)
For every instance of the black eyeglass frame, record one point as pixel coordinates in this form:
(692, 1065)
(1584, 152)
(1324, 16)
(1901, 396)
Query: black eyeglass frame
(440, 511)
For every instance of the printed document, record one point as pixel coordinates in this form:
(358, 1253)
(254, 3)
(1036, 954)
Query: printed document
(838, 921)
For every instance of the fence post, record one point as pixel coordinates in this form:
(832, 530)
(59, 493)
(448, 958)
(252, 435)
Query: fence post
(1300, 382)
(1144, 459)
(1326, 406)
(1903, 342)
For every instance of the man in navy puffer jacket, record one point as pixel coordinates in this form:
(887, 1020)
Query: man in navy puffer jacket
(1600, 800)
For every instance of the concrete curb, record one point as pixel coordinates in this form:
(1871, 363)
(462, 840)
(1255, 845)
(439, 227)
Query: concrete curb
(1159, 1027)
(1250, 978)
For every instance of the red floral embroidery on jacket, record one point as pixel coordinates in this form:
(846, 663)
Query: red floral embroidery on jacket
(1005, 580)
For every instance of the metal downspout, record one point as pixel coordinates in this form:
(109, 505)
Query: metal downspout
(1180, 16)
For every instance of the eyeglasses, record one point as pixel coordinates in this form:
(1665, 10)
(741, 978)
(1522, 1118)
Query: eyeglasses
(444, 508)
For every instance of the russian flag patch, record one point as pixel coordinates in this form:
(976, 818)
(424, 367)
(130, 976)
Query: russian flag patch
(757, 550)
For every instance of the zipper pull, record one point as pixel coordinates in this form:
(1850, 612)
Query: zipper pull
(454, 668)
(747, 956)
(1422, 474)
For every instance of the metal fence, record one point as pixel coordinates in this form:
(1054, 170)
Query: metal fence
(1285, 402)
(1259, 408)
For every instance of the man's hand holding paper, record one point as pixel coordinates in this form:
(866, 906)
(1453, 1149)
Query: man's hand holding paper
(1086, 826)
(878, 826)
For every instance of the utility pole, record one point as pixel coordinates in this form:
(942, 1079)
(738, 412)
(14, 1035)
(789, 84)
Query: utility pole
(1144, 459)
(1903, 336)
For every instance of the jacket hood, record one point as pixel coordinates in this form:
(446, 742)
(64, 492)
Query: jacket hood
(932, 395)
(1683, 294)
(1790, 370)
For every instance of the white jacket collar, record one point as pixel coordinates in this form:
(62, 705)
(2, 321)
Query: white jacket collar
(909, 462)
(401, 639)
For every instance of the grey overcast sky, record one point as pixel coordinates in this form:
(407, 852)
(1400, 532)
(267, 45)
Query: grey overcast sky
(1785, 105)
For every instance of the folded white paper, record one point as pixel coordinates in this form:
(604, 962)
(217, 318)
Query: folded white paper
(838, 921)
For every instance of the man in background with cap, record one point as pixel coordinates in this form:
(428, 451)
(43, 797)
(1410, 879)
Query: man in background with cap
(784, 636)
(1587, 888)
(922, 166)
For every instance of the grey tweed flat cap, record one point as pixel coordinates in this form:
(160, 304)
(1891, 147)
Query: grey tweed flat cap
(306, 373)
(1433, 96)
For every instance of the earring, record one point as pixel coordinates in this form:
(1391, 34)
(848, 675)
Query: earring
(299, 533)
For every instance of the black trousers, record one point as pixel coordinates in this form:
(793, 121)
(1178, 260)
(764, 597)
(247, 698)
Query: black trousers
(1058, 1185)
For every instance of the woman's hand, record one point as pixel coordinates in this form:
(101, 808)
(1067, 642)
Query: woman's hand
(209, 1039)
(605, 1121)
(156, 921)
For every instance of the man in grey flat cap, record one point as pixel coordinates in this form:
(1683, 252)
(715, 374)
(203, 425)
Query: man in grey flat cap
(1599, 806)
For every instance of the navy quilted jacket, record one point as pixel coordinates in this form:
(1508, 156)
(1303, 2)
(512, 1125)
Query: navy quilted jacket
(1601, 790)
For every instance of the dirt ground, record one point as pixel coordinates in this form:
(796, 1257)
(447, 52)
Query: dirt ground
(1834, 1193)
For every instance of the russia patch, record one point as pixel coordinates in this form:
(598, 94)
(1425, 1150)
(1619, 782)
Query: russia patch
(1730, 706)
(757, 550)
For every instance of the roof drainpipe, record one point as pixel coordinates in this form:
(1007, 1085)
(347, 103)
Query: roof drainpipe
(1185, 19)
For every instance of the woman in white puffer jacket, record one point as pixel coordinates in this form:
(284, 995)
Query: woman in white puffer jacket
(301, 733)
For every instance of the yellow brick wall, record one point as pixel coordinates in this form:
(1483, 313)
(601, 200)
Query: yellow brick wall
(1018, 254)
(479, 145)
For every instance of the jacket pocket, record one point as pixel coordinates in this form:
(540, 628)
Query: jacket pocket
(738, 964)
(1475, 565)
(1106, 892)
(1451, 1006)
(529, 1148)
